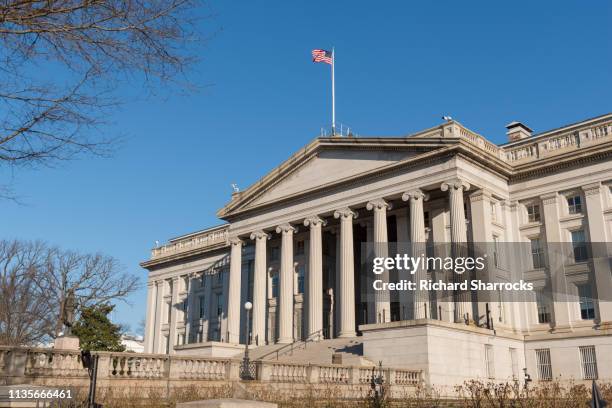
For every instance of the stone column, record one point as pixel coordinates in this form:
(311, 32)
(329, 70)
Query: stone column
(159, 300)
(285, 304)
(381, 250)
(403, 247)
(561, 314)
(315, 275)
(150, 323)
(455, 188)
(415, 199)
(482, 235)
(259, 288)
(233, 298)
(173, 315)
(599, 244)
(347, 273)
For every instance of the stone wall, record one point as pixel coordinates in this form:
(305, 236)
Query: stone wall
(56, 368)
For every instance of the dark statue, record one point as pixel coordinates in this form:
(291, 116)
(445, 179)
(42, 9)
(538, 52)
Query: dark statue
(67, 313)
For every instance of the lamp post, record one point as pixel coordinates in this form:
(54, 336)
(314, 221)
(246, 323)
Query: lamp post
(246, 363)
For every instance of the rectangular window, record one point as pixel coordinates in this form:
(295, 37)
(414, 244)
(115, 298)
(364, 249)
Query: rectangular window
(274, 253)
(299, 247)
(493, 211)
(588, 360)
(579, 246)
(202, 307)
(300, 278)
(533, 213)
(489, 361)
(537, 254)
(542, 304)
(219, 304)
(544, 365)
(574, 204)
(496, 250)
(587, 308)
(185, 309)
(275, 286)
(515, 364)
(169, 311)
(186, 283)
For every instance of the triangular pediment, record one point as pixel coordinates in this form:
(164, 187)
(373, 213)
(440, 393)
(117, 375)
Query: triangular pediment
(328, 162)
(328, 167)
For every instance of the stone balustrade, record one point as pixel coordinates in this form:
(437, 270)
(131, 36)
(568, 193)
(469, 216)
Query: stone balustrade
(558, 143)
(62, 367)
(203, 239)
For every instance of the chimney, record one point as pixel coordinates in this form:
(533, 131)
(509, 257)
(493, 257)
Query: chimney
(517, 131)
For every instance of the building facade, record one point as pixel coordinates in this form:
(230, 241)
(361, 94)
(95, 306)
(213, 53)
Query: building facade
(293, 244)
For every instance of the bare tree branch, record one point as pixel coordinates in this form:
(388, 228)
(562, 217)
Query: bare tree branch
(34, 282)
(82, 47)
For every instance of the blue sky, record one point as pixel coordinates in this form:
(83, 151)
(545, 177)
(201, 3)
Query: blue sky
(400, 66)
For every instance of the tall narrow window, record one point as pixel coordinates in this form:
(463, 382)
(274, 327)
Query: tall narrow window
(219, 304)
(533, 213)
(542, 305)
(574, 204)
(544, 365)
(300, 278)
(579, 246)
(515, 364)
(496, 250)
(299, 247)
(493, 211)
(588, 360)
(275, 286)
(587, 308)
(202, 305)
(489, 361)
(168, 311)
(537, 254)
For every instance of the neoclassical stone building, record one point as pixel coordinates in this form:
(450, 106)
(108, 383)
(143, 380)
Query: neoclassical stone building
(292, 244)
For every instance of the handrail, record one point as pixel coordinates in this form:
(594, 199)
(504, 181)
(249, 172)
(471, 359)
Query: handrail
(305, 341)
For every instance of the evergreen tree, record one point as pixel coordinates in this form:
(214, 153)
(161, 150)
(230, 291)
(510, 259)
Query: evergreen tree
(95, 330)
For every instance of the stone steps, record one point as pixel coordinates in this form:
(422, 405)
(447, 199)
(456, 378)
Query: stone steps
(330, 351)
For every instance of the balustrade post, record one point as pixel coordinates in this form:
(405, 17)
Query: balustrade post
(265, 371)
(104, 365)
(233, 370)
(313, 374)
(390, 374)
(353, 375)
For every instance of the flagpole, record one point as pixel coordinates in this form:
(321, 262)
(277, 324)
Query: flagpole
(333, 94)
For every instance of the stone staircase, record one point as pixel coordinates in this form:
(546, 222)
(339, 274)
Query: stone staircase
(348, 352)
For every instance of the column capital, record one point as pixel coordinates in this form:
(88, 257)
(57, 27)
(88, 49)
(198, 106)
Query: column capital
(416, 194)
(378, 204)
(286, 228)
(592, 189)
(314, 220)
(236, 241)
(259, 234)
(479, 195)
(456, 184)
(345, 213)
(550, 198)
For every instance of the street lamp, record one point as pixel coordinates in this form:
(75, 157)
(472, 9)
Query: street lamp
(246, 364)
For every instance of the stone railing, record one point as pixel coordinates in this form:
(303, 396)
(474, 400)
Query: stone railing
(61, 367)
(558, 143)
(211, 237)
(481, 142)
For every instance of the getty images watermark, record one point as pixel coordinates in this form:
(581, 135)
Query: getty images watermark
(458, 265)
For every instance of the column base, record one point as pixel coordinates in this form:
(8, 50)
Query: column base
(562, 329)
(347, 334)
(284, 341)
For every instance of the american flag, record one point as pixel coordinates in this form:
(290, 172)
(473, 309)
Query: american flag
(322, 56)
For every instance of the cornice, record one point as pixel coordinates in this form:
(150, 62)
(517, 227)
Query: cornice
(192, 254)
